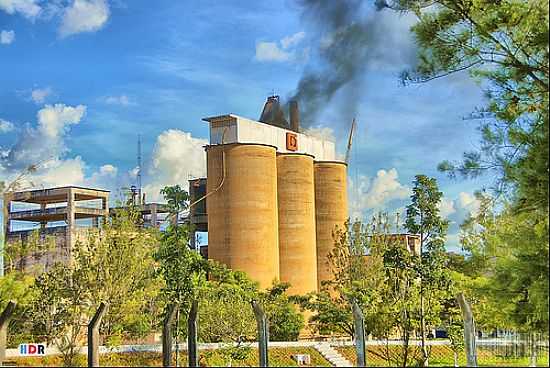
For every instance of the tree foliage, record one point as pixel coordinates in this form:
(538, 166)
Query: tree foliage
(507, 267)
(504, 45)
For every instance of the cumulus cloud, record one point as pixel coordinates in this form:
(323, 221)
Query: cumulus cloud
(27, 8)
(44, 145)
(39, 95)
(53, 120)
(7, 37)
(177, 157)
(469, 203)
(283, 50)
(456, 210)
(6, 126)
(446, 207)
(367, 195)
(45, 141)
(270, 51)
(84, 16)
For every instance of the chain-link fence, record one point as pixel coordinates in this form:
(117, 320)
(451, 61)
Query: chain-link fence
(510, 350)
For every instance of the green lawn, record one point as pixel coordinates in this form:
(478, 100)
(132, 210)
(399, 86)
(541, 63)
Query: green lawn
(441, 356)
(278, 357)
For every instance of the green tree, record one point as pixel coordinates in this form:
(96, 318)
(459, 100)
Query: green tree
(184, 271)
(285, 322)
(225, 314)
(504, 45)
(113, 265)
(508, 268)
(119, 269)
(423, 218)
(61, 309)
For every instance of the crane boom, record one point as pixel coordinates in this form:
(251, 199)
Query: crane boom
(350, 139)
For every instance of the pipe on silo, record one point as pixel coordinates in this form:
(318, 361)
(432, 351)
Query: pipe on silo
(296, 202)
(331, 210)
(242, 214)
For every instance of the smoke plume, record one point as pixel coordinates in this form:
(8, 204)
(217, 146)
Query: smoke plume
(352, 36)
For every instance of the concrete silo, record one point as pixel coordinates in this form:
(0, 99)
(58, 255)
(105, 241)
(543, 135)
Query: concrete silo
(296, 201)
(242, 212)
(331, 210)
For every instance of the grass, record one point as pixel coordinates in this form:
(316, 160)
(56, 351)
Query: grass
(441, 356)
(278, 357)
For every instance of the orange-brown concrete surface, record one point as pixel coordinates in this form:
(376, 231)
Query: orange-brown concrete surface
(242, 214)
(331, 210)
(296, 201)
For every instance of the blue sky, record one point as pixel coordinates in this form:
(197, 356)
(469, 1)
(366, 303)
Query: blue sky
(79, 80)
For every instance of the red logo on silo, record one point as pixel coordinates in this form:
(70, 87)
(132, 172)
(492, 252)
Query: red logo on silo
(291, 141)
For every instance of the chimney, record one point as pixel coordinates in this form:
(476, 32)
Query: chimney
(273, 114)
(294, 116)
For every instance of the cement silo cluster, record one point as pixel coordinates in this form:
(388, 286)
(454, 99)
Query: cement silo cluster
(274, 197)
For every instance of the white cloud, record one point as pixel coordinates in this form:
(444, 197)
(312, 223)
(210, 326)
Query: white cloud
(59, 172)
(377, 193)
(446, 207)
(108, 170)
(292, 40)
(39, 95)
(27, 8)
(6, 126)
(84, 16)
(176, 158)
(52, 120)
(7, 37)
(284, 50)
(122, 100)
(45, 141)
(270, 51)
(468, 202)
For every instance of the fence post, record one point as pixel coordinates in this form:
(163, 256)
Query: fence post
(93, 336)
(192, 335)
(359, 330)
(469, 330)
(167, 335)
(263, 333)
(4, 322)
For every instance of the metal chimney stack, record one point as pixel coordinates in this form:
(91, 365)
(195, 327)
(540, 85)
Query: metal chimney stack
(294, 116)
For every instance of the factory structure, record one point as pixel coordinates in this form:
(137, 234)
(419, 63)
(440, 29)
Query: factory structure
(274, 195)
(272, 198)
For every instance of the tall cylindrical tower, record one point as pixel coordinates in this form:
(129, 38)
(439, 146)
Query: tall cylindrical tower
(331, 210)
(242, 213)
(296, 200)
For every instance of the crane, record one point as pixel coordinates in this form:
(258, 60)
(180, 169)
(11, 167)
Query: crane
(350, 139)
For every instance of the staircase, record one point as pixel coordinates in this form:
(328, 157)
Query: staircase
(333, 356)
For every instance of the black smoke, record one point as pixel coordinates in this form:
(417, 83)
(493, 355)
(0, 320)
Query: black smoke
(352, 34)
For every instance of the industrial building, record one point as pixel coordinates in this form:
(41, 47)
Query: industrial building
(60, 217)
(63, 214)
(274, 195)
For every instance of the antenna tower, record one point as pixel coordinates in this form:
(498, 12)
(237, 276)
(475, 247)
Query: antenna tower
(138, 176)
